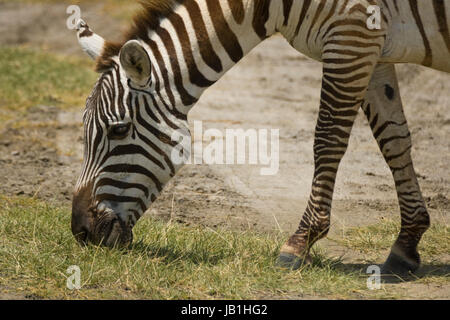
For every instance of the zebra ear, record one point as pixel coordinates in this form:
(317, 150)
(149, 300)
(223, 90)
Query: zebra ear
(90, 42)
(135, 61)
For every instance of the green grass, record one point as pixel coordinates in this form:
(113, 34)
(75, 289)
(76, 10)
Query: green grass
(166, 261)
(29, 77)
(436, 241)
(122, 10)
(118, 2)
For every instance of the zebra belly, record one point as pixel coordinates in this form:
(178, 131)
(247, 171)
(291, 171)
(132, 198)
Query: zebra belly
(408, 47)
(423, 41)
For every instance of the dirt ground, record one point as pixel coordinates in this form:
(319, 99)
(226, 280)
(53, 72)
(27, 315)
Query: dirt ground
(273, 87)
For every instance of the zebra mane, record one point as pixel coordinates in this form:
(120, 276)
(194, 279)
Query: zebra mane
(148, 18)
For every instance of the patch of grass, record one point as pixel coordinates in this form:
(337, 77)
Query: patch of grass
(121, 2)
(119, 9)
(381, 236)
(166, 261)
(29, 77)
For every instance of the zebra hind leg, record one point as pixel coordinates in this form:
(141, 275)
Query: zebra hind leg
(384, 111)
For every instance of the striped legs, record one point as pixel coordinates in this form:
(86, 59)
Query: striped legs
(384, 110)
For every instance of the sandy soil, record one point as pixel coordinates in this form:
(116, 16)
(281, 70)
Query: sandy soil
(273, 87)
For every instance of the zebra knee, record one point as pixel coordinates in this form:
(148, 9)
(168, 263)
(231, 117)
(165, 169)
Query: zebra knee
(420, 222)
(311, 229)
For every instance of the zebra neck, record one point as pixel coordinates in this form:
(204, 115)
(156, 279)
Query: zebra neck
(200, 41)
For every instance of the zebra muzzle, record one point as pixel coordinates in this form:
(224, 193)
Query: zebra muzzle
(109, 230)
(97, 223)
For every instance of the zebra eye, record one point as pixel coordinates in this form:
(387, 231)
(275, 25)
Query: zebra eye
(119, 131)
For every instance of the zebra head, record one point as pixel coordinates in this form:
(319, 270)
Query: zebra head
(128, 145)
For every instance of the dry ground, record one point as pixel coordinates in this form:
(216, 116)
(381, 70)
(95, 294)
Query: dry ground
(273, 87)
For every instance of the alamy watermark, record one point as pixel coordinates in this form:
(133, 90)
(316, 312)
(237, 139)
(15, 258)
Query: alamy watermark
(374, 20)
(74, 279)
(75, 16)
(231, 146)
(374, 280)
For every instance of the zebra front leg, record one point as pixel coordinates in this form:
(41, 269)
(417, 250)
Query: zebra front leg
(343, 89)
(330, 143)
(384, 110)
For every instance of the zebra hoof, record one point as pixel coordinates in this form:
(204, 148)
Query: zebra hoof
(291, 261)
(398, 265)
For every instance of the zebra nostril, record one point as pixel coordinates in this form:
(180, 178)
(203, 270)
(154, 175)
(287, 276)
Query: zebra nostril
(82, 236)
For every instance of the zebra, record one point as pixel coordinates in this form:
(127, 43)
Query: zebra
(176, 49)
